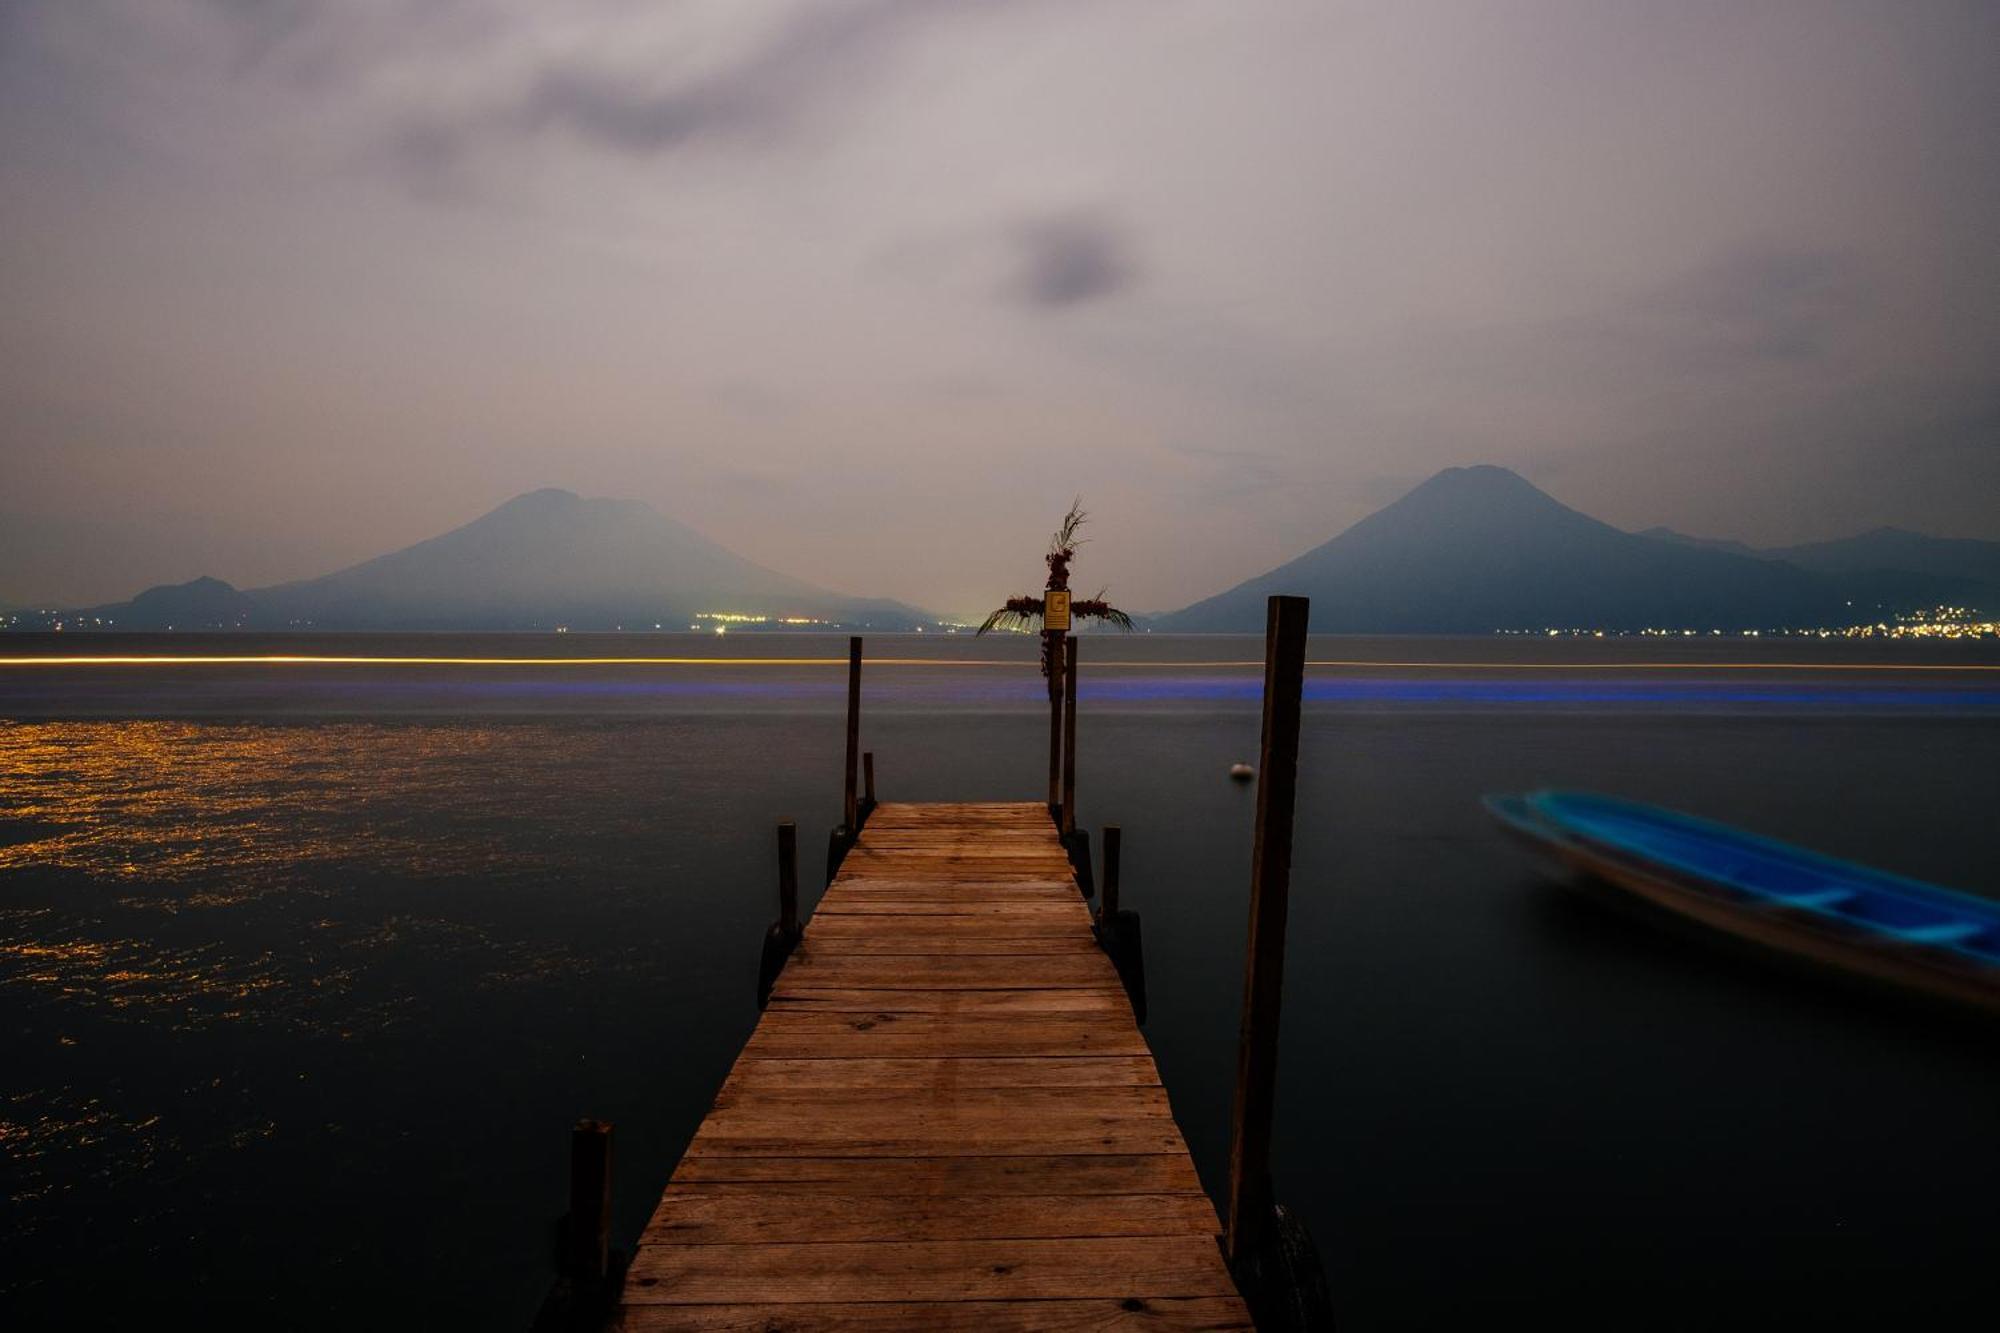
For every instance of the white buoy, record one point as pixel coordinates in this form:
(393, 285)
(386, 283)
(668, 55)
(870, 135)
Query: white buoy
(1242, 772)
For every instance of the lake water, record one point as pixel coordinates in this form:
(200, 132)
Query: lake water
(306, 968)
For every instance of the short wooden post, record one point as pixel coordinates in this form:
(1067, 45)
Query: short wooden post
(849, 806)
(1055, 734)
(1114, 838)
(1250, 1196)
(589, 1259)
(788, 877)
(837, 841)
(868, 777)
(1069, 737)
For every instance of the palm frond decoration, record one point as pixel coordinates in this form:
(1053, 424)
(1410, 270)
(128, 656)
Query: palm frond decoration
(1065, 541)
(1020, 613)
(1096, 608)
(1025, 613)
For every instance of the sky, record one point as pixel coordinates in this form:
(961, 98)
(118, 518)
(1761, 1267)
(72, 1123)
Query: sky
(869, 289)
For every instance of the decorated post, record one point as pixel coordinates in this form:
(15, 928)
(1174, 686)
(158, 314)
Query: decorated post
(1054, 611)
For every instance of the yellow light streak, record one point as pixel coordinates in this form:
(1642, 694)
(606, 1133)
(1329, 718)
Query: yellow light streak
(296, 659)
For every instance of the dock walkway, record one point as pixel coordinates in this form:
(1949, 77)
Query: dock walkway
(946, 1118)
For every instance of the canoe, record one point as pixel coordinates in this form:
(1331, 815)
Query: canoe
(1769, 892)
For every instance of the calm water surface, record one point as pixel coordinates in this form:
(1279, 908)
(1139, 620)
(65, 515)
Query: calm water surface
(305, 968)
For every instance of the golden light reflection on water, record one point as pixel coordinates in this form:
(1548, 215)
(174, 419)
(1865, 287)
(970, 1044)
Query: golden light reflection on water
(171, 882)
(42, 1127)
(189, 987)
(207, 822)
(241, 808)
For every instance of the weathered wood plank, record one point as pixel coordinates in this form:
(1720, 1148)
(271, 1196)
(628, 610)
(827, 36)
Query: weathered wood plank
(1149, 1266)
(1181, 1314)
(958, 1071)
(906, 903)
(960, 881)
(1072, 1000)
(1025, 1173)
(818, 969)
(994, 939)
(736, 1103)
(775, 1217)
(927, 925)
(824, 1036)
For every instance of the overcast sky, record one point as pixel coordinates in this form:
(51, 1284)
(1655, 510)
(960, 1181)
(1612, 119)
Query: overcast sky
(866, 289)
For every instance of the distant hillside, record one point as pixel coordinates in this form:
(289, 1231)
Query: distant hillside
(1705, 543)
(1908, 552)
(1894, 550)
(202, 603)
(1479, 549)
(542, 560)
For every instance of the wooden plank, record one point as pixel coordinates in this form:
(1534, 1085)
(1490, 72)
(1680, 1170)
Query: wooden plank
(832, 1035)
(774, 1217)
(993, 938)
(984, 891)
(922, 926)
(933, 1270)
(1023, 1173)
(957, 1071)
(1021, 972)
(736, 1103)
(1073, 1000)
(905, 904)
(992, 1135)
(1059, 1316)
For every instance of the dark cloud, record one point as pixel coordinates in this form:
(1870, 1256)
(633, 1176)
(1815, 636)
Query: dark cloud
(1072, 260)
(809, 63)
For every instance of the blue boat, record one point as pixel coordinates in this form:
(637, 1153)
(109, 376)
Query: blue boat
(1818, 907)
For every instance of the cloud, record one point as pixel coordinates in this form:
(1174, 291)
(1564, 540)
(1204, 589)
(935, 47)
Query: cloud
(1071, 260)
(790, 80)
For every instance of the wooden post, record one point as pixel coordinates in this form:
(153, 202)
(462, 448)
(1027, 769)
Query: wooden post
(868, 777)
(1113, 850)
(1250, 1198)
(788, 877)
(1069, 737)
(1055, 735)
(589, 1259)
(849, 806)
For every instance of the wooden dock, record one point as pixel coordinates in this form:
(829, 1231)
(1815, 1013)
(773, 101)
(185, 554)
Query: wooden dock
(946, 1118)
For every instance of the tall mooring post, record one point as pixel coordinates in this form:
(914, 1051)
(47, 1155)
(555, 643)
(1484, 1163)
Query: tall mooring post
(1069, 736)
(1251, 1223)
(850, 806)
(1055, 735)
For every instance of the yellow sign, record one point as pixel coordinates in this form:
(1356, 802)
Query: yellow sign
(1055, 609)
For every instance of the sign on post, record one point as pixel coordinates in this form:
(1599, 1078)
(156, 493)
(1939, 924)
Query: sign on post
(1055, 609)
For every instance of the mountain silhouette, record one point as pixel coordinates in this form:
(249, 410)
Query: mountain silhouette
(545, 559)
(203, 603)
(1478, 549)
(1893, 550)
